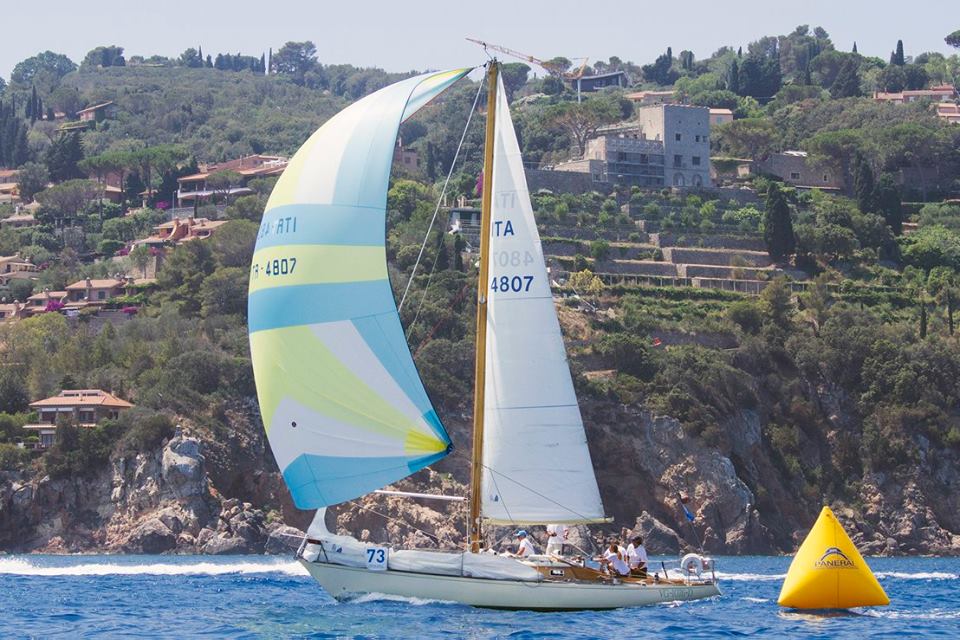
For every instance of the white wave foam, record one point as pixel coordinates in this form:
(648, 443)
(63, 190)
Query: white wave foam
(935, 614)
(757, 600)
(929, 575)
(750, 577)
(379, 597)
(29, 567)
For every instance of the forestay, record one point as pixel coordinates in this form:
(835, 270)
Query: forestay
(342, 403)
(537, 466)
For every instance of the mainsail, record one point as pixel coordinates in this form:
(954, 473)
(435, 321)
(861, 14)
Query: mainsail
(536, 464)
(342, 403)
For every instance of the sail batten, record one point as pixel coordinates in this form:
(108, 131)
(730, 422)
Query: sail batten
(342, 403)
(537, 467)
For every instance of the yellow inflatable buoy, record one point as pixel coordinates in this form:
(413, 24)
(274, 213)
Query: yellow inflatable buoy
(829, 573)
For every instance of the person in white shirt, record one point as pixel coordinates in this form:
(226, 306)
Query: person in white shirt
(613, 560)
(556, 538)
(637, 557)
(524, 546)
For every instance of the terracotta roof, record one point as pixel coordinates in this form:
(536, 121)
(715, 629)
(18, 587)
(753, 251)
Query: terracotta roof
(82, 397)
(26, 217)
(96, 106)
(6, 174)
(721, 112)
(108, 283)
(43, 295)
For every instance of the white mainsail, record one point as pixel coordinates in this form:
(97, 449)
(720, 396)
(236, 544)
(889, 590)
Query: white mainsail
(536, 464)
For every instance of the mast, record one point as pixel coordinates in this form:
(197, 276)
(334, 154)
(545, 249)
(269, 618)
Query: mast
(476, 460)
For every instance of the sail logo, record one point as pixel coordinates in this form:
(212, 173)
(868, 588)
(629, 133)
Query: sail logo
(833, 558)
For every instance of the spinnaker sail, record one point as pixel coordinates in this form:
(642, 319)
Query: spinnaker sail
(536, 464)
(341, 400)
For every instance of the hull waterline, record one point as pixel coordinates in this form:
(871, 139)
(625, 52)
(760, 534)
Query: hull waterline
(345, 582)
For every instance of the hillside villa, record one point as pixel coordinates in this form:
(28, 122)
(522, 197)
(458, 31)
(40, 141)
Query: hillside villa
(194, 188)
(98, 292)
(940, 93)
(949, 111)
(8, 186)
(14, 267)
(180, 230)
(83, 407)
(18, 221)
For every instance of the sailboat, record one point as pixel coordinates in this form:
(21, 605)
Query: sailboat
(344, 408)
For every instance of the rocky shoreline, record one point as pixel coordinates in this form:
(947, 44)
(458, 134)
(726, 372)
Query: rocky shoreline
(195, 495)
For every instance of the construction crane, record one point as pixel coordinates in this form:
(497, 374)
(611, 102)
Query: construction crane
(557, 71)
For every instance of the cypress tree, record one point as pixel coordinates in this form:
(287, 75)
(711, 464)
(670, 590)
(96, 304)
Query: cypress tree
(847, 82)
(443, 256)
(888, 203)
(898, 58)
(855, 46)
(863, 186)
(209, 64)
(923, 318)
(733, 78)
(950, 310)
(459, 244)
(778, 227)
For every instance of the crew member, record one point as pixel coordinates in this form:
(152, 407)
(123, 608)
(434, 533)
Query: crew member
(637, 557)
(556, 538)
(613, 560)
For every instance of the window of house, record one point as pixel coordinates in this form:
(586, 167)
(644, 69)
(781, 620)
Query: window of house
(101, 295)
(678, 161)
(695, 161)
(696, 138)
(794, 175)
(46, 439)
(87, 417)
(825, 179)
(677, 136)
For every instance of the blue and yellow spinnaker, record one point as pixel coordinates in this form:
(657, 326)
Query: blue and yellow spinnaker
(341, 400)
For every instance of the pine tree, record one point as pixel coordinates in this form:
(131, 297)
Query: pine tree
(864, 186)
(778, 227)
(898, 59)
(209, 63)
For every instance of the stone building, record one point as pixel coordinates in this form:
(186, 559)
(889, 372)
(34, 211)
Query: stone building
(684, 132)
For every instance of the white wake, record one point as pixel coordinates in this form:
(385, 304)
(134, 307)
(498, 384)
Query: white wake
(97, 566)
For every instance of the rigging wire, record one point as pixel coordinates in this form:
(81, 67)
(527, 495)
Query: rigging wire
(443, 192)
(397, 520)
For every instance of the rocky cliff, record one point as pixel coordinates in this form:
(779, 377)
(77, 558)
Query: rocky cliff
(218, 491)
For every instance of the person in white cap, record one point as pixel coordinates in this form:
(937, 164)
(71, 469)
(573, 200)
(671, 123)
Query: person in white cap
(524, 546)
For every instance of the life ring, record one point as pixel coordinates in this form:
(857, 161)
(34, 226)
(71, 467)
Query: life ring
(691, 564)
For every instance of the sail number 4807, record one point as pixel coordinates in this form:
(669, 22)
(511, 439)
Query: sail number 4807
(275, 267)
(516, 284)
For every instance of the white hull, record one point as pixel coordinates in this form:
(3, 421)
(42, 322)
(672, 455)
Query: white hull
(344, 582)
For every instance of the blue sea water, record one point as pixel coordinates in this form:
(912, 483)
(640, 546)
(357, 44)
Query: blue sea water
(272, 597)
